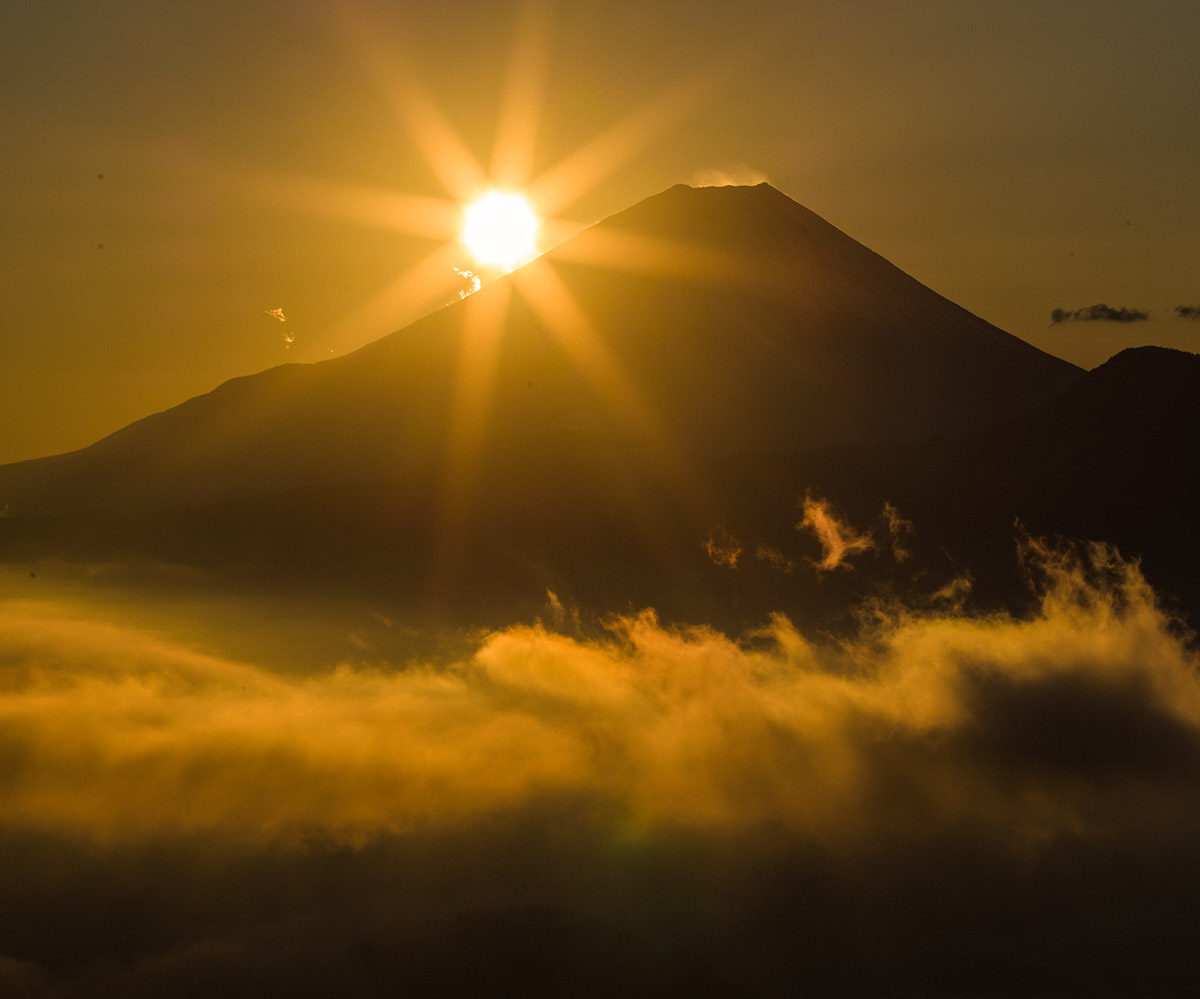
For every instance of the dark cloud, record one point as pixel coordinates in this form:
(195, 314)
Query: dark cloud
(1099, 313)
(900, 530)
(1188, 311)
(946, 803)
(722, 547)
(775, 558)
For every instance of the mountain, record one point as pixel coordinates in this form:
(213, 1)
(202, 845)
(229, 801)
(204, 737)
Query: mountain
(698, 324)
(683, 372)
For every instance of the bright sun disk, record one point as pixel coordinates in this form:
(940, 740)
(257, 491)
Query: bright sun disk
(500, 230)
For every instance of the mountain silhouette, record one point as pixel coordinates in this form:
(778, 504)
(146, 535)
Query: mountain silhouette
(716, 321)
(1111, 460)
(734, 354)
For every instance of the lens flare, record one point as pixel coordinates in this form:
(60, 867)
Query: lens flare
(500, 230)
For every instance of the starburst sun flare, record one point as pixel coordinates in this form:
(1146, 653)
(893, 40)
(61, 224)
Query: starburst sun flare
(488, 212)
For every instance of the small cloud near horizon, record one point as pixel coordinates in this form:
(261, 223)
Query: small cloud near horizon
(1100, 313)
(739, 176)
(1188, 311)
(472, 282)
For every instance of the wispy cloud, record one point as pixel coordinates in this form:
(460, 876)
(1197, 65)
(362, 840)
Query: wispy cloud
(289, 337)
(901, 531)
(839, 541)
(120, 734)
(1188, 311)
(737, 176)
(774, 558)
(722, 547)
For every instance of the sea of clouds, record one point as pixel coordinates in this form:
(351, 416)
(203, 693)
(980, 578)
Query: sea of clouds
(943, 802)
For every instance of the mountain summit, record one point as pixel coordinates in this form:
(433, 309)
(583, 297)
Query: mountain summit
(721, 320)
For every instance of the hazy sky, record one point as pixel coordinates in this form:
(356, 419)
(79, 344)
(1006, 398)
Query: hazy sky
(172, 172)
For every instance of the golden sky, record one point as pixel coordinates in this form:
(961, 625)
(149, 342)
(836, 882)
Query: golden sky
(174, 174)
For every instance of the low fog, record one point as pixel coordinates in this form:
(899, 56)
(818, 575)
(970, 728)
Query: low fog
(942, 802)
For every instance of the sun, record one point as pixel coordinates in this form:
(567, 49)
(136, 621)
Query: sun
(500, 230)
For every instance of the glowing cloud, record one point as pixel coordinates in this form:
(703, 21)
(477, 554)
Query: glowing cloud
(739, 176)
(473, 283)
(839, 541)
(901, 531)
(942, 770)
(119, 735)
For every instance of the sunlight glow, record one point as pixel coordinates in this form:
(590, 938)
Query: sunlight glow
(483, 215)
(500, 230)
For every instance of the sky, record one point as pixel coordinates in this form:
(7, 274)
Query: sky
(174, 173)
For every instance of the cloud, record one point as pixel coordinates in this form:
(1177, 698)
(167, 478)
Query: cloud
(793, 811)
(739, 176)
(472, 283)
(722, 547)
(1099, 313)
(900, 530)
(276, 314)
(775, 559)
(561, 616)
(1188, 311)
(119, 734)
(839, 541)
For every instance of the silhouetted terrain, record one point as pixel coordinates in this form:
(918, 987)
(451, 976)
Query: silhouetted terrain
(716, 321)
(280, 714)
(726, 331)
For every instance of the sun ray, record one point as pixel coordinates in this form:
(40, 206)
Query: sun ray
(457, 169)
(455, 166)
(559, 187)
(625, 250)
(525, 91)
(479, 349)
(554, 190)
(563, 318)
(362, 204)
